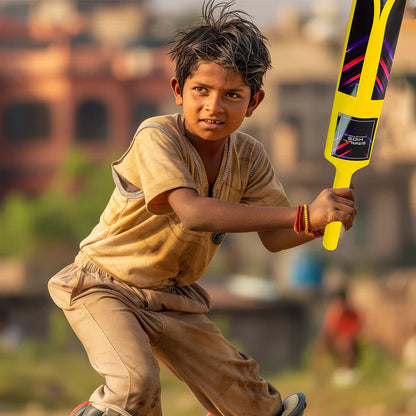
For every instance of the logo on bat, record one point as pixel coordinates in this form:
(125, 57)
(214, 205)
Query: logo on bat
(353, 137)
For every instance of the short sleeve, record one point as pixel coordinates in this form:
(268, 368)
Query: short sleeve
(263, 187)
(153, 165)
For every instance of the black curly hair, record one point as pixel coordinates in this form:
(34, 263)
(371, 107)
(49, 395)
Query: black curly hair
(224, 36)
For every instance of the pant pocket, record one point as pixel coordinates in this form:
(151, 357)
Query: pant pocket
(62, 284)
(190, 299)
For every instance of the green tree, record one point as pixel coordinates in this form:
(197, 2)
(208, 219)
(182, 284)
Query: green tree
(67, 211)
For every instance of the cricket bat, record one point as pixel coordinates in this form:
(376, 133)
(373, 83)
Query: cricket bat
(369, 48)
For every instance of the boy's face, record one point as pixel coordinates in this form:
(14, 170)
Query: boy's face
(215, 102)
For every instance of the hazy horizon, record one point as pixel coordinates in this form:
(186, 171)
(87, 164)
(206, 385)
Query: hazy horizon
(264, 12)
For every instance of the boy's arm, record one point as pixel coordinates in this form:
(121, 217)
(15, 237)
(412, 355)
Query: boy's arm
(328, 201)
(278, 240)
(274, 224)
(199, 213)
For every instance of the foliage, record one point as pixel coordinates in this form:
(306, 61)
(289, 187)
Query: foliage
(67, 211)
(16, 225)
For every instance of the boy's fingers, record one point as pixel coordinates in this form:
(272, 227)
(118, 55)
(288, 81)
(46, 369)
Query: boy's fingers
(337, 205)
(346, 214)
(345, 193)
(347, 206)
(347, 220)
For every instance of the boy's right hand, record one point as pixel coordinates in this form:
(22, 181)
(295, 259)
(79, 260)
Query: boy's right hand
(332, 205)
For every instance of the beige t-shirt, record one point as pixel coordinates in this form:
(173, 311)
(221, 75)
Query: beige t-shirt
(142, 242)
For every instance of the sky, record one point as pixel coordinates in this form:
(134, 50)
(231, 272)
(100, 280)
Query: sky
(264, 12)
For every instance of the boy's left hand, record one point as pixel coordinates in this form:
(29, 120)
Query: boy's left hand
(332, 205)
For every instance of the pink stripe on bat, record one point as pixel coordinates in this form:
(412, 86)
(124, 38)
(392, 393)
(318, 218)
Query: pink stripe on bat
(341, 145)
(348, 81)
(379, 84)
(345, 153)
(384, 66)
(352, 63)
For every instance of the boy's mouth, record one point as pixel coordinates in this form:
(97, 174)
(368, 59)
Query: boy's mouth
(209, 121)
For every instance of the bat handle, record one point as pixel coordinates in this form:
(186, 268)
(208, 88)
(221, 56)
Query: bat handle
(333, 229)
(331, 235)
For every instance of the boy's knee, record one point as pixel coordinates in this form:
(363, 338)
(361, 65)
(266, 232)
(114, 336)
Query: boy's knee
(144, 397)
(137, 390)
(143, 391)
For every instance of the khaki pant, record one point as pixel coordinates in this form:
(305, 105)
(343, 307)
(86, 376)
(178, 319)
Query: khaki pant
(126, 331)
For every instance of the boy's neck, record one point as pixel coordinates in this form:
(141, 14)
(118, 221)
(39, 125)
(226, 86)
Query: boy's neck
(205, 148)
(211, 153)
(208, 149)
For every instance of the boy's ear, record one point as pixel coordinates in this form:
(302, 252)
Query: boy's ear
(174, 84)
(254, 103)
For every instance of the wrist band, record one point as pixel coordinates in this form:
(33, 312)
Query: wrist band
(297, 227)
(302, 212)
(314, 234)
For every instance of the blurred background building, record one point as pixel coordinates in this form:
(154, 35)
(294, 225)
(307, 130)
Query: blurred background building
(73, 73)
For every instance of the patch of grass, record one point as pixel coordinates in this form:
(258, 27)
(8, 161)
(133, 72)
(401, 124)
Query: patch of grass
(177, 400)
(378, 388)
(36, 375)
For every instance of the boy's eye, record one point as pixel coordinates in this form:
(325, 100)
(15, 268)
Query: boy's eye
(200, 89)
(233, 95)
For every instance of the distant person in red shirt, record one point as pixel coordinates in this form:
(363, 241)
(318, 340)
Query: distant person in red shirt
(339, 338)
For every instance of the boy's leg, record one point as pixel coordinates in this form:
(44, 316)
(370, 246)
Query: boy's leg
(225, 381)
(118, 349)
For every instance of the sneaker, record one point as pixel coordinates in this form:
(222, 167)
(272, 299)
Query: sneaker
(93, 409)
(294, 405)
(79, 410)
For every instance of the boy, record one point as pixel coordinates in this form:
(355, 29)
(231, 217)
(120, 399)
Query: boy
(184, 182)
(339, 337)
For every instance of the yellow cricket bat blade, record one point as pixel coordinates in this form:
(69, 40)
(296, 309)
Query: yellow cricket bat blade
(369, 47)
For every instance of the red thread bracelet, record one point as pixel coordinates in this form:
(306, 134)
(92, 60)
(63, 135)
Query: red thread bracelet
(298, 221)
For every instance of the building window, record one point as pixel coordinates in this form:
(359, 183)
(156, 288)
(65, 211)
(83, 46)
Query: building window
(26, 121)
(308, 105)
(143, 111)
(92, 121)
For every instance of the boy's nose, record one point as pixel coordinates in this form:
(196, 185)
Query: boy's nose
(214, 103)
